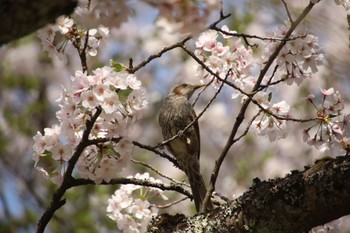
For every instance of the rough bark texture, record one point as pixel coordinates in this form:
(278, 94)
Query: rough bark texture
(296, 203)
(21, 17)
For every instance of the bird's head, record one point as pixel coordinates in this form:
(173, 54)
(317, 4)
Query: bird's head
(185, 89)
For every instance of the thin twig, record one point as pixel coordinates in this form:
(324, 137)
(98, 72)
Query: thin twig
(226, 199)
(287, 10)
(157, 55)
(272, 76)
(171, 47)
(82, 53)
(247, 128)
(200, 93)
(170, 204)
(97, 141)
(123, 180)
(222, 17)
(221, 9)
(246, 36)
(278, 117)
(131, 64)
(154, 150)
(264, 86)
(159, 173)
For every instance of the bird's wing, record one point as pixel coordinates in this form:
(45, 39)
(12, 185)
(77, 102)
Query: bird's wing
(191, 136)
(196, 128)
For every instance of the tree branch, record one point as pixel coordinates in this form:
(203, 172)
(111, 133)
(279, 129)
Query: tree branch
(133, 69)
(56, 201)
(181, 43)
(240, 116)
(122, 180)
(310, 198)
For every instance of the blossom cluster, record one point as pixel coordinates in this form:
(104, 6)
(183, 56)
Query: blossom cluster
(228, 59)
(273, 119)
(129, 205)
(330, 132)
(116, 99)
(299, 57)
(110, 13)
(56, 38)
(184, 16)
(225, 55)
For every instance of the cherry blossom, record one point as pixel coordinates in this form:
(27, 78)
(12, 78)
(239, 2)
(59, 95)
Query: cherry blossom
(228, 31)
(223, 58)
(129, 205)
(207, 40)
(299, 58)
(267, 124)
(56, 38)
(61, 152)
(110, 102)
(330, 130)
(120, 98)
(89, 100)
(64, 24)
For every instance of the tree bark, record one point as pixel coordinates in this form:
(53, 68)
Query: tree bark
(21, 17)
(296, 203)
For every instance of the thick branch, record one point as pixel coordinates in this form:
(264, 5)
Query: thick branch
(19, 18)
(300, 201)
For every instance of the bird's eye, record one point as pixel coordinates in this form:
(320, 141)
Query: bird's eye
(184, 85)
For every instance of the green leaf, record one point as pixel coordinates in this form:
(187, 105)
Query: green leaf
(123, 94)
(117, 66)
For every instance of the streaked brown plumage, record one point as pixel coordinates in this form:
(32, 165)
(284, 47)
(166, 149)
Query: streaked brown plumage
(175, 114)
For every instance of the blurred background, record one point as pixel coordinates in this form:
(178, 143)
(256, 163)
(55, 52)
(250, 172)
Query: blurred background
(30, 83)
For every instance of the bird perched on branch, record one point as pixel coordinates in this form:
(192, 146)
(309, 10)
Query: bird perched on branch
(175, 115)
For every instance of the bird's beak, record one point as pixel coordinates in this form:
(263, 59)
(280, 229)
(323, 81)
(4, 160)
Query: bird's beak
(195, 87)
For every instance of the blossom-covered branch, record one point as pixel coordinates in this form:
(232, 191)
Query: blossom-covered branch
(258, 81)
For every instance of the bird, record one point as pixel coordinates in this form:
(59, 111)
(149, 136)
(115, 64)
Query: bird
(175, 115)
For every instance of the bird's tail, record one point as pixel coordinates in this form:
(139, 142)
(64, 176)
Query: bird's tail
(198, 188)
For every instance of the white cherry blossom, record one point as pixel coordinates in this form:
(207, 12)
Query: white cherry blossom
(121, 99)
(129, 205)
